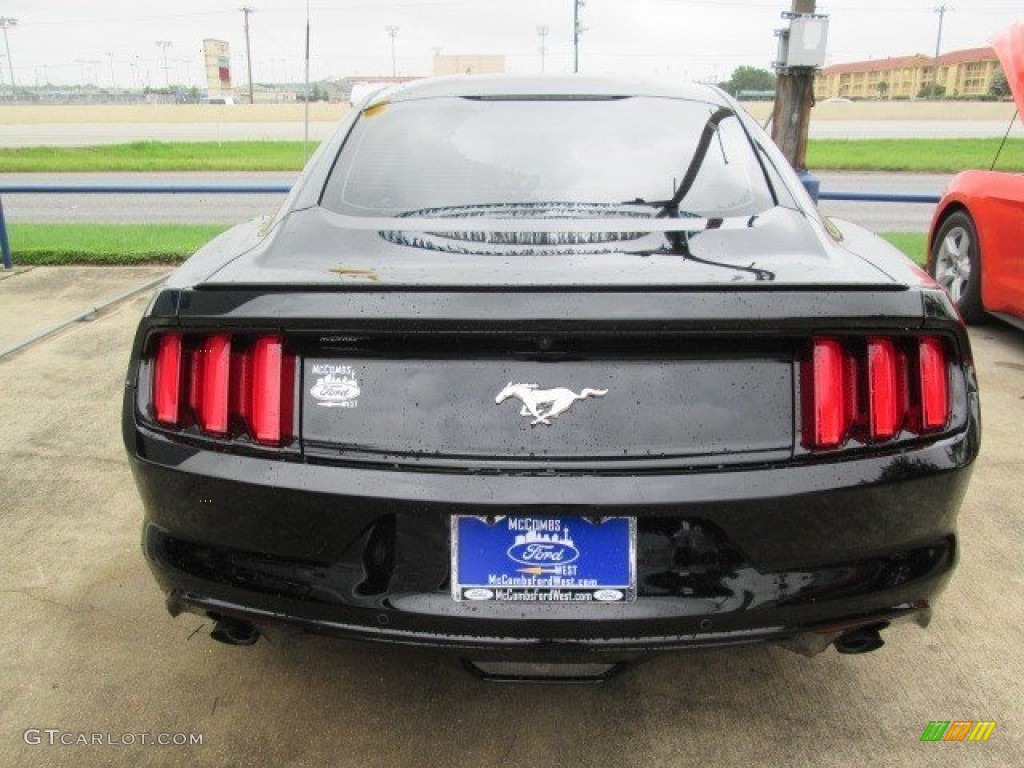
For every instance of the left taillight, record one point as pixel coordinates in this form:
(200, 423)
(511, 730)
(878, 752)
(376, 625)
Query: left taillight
(167, 379)
(225, 386)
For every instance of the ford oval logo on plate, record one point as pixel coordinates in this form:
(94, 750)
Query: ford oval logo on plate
(609, 595)
(543, 549)
(478, 594)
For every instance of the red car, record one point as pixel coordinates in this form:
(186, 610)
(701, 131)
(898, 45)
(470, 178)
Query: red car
(976, 243)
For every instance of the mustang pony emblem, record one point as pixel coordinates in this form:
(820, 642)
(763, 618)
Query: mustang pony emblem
(545, 404)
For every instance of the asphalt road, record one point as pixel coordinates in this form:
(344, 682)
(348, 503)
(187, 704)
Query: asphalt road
(231, 209)
(86, 646)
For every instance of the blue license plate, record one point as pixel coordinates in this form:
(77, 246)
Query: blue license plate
(544, 559)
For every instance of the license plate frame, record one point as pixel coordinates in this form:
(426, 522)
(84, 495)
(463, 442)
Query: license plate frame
(498, 559)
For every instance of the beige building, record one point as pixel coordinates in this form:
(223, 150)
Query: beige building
(961, 73)
(469, 64)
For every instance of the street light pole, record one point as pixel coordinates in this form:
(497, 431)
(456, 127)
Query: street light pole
(7, 22)
(164, 45)
(941, 10)
(248, 50)
(577, 30)
(542, 33)
(393, 31)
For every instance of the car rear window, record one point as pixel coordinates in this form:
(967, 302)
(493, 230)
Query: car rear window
(628, 154)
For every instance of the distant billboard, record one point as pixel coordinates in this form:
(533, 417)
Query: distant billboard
(217, 57)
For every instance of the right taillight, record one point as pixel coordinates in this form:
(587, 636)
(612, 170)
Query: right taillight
(861, 389)
(225, 386)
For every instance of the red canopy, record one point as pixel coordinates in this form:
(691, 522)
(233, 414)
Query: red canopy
(1009, 47)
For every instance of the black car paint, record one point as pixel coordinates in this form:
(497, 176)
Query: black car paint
(784, 545)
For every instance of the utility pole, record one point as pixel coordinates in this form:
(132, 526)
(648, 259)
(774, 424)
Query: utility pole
(577, 30)
(7, 22)
(794, 97)
(941, 10)
(393, 31)
(110, 58)
(248, 50)
(164, 45)
(542, 33)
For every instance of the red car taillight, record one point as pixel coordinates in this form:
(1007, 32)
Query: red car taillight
(167, 379)
(230, 386)
(858, 390)
(887, 392)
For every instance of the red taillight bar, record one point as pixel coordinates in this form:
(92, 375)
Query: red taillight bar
(167, 379)
(272, 381)
(861, 390)
(229, 387)
(934, 383)
(828, 407)
(214, 361)
(886, 389)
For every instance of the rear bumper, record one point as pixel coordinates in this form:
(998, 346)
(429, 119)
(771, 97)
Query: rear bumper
(794, 554)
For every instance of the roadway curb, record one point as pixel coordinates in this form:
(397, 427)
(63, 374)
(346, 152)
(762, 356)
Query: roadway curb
(87, 316)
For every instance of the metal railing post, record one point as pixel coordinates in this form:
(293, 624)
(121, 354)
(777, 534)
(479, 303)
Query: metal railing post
(5, 244)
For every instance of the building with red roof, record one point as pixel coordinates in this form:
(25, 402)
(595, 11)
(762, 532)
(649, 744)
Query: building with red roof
(960, 73)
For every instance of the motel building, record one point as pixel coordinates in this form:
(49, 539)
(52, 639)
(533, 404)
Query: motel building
(962, 73)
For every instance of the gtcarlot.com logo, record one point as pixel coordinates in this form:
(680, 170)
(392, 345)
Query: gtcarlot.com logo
(58, 737)
(958, 730)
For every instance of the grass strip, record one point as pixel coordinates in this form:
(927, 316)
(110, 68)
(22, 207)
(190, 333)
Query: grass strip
(920, 155)
(125, 244)
(914, 155)
(157, 156)
(122, 244)
(913, 244)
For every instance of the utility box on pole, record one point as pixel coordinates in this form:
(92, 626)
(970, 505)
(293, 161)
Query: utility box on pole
(804, 43)
(801, 51)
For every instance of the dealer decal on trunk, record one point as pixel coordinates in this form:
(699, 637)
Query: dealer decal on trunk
(336, 387)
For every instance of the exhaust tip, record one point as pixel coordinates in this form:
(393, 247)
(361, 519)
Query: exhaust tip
(234, 632)
(861, 640)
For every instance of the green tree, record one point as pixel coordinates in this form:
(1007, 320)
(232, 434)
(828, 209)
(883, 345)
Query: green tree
(999, 87)
(749, 79)
(883, 89)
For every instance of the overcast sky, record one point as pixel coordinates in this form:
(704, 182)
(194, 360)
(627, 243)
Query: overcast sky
(61, 41)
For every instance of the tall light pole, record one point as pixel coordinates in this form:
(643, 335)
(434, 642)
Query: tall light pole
(7, 22)
(577, 30)
(164, 45)
(941, 10)
(393, 31)
(794, 95)
(110, 58)
(248, 50)
(542, 33)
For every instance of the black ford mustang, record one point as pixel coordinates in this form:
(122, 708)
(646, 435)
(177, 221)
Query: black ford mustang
(551, 373)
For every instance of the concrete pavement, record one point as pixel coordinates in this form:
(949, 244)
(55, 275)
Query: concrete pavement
(86, 646)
